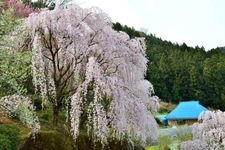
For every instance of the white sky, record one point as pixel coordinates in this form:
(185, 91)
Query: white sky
(195, 22)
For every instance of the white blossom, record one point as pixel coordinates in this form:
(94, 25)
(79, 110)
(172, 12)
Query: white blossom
(211, 132)
(194, 145)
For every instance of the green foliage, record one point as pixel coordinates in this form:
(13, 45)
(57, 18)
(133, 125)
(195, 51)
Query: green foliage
(9, 137)
(38, 4)
(170, 138)
(177, 73)
(164, 142)
(5, 143)
(45, 117)
(7, 22)
(165, 108)
(184, 134)
(152, 148)
(130, 31)
(15, 73)
(26, 114)
(37, 100)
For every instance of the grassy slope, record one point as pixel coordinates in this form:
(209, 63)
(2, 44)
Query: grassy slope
(166, 107)
(24, 132)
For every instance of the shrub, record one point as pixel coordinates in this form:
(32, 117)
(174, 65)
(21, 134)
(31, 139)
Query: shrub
(37, 102)
(5, 144)
(19, 9)
(172, 137)
(164, 142)
(7, 23)
(184, 134)
(14, 72)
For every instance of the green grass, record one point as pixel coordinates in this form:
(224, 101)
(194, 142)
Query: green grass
(171, 138)
(152, 147)
(24, 132)
(9, 137)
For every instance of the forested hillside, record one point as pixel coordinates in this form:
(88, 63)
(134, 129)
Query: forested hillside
(179, 72)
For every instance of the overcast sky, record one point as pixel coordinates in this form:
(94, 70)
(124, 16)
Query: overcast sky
(195, 22)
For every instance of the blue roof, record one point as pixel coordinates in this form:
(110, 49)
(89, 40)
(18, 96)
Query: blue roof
(186, 110)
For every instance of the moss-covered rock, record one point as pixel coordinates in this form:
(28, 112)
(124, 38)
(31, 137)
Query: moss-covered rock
(54, 140)
(48, 140)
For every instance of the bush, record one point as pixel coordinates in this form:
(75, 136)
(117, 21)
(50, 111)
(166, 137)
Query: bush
(9, 137)
(5, 143)
(164, 142)
(19, 9)
(14, 73)
(7, 23)
(184, 134)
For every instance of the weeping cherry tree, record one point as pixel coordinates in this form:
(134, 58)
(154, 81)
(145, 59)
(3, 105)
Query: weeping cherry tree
(79, 60)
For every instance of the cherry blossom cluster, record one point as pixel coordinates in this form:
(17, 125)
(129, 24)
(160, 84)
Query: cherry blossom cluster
(209, 134)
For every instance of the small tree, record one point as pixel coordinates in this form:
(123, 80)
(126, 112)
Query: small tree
(79, 59)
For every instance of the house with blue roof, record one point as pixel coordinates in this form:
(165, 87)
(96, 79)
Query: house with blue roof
(186, 112)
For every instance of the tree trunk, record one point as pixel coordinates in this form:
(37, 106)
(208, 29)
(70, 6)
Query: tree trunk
(55, 115)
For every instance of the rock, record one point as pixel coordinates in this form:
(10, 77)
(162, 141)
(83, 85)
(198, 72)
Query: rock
(53, 140)
(48, 140)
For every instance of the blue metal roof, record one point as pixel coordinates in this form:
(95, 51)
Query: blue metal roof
(186, 110)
